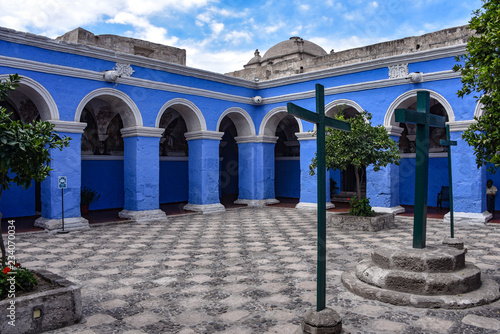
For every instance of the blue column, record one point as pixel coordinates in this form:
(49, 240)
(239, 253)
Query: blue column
(469, 182)
(203, 167)
(65, 163)
(256, 170)
(308, 182)
(141, 173)
(382, 187)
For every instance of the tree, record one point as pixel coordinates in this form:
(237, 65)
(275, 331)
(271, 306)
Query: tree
(24, 149)
(480, 69)
(365, 145)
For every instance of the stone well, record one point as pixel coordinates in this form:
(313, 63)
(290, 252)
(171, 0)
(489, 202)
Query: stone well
(433, 277)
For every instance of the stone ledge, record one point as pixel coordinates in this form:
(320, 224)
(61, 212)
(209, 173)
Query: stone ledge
(59, 307)
(487, 293)
(205, 208)
(313, 206)
(468, 218)
(346, 222)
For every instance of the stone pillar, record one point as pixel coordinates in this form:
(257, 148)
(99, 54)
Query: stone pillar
(308, 182)
(256, 170)
(382, 187)
(469, 182)
(141, 169)
(204, 171)
(67, 163)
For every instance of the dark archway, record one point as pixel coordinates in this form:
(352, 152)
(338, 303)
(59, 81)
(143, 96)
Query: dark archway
(229, 162)
(287, 159)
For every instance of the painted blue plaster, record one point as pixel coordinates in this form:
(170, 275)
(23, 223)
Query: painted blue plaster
(438, 177)
(174, 184)
(141, 173)
(336, 175)
(18, 202)
(308, 182)
(106, 178)
(469, 182)
(288, 178)
(256, 171)
(65, 163)
(496, 182)
(203, 171)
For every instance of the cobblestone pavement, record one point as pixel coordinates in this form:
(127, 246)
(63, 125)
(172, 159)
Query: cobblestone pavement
(241, 271)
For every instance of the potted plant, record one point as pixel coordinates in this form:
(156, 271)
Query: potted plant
(87, 196)
(363, 146)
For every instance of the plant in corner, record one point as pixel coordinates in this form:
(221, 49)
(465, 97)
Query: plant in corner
(365, 145)
(360, 207)
(24, 157)
(87, 197)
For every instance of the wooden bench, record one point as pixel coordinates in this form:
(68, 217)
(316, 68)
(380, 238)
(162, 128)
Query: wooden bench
(443, 196)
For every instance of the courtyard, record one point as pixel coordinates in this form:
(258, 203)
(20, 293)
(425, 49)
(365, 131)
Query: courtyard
(246, 270)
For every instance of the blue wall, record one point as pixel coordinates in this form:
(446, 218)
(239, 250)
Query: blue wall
(17, 202)
(106, 178)
(438, 177)
(496, 182)
(287, 178)
(174, 186)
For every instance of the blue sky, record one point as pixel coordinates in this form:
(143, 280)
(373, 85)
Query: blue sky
(221, 36)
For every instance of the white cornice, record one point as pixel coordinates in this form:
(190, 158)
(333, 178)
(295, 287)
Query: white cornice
(98, 76)
(69, 127)
(422, 56)
(394, 130)
(256, 139)
(141, 131)
(305, 135)
(458, 126)
(204, 134)
(13, 36)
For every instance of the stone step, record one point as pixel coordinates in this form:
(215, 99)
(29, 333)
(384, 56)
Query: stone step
(430, 259)
(421, 283)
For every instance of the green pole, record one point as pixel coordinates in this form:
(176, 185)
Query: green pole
(320, 142)
(452, 228)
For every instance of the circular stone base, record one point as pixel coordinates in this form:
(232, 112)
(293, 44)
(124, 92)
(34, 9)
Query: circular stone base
(487, 293)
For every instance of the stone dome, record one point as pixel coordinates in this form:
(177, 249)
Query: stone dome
(292, 46)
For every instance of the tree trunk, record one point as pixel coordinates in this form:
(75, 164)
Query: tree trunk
(358, 183)
(2, 246)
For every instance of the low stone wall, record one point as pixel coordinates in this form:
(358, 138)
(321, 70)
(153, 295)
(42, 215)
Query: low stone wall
(42, 311)
(346, 222)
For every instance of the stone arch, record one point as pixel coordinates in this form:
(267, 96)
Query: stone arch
(241, 119)
(121, 102)
(478, 112)
(189, 111)
(39, 95)
(329, 108)
(271, 120)
(407, 97)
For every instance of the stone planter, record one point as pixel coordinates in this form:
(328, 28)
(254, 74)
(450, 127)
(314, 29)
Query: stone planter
(37, 312)
(346, 222)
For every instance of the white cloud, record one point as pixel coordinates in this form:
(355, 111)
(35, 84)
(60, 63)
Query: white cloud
(304, 7)
(216, 27)
(219, 62)
(237, 37)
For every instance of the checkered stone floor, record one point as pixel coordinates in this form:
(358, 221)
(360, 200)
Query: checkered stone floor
(241, 271)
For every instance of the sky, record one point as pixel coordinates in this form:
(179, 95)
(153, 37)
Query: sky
(222, 35)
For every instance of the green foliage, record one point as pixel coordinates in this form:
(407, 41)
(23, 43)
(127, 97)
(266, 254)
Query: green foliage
(88, 196)
(360, 207)
(365, 145)
(480, 69)
(14, 278)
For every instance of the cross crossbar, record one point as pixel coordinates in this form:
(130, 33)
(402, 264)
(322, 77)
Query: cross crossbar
(417, 117)
(312, 117)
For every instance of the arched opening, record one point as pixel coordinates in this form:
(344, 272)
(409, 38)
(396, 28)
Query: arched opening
(229, 162)
(438, 162)
(174, 155)
(16, 201)
(343, 182)
(102, 152)
(287, 159)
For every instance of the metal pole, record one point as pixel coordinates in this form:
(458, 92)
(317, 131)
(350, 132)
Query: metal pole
(452, 228)
(321, 271)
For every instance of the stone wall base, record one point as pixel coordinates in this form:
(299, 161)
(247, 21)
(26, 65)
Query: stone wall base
(205, 208)
(143, 215)
(313, 206)
(257, 202)
(70, 224)
(468, 217)
(394, 210)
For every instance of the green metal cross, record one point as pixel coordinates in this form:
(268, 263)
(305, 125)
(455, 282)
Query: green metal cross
(423, 119)
(449, 143)
(321, 122)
